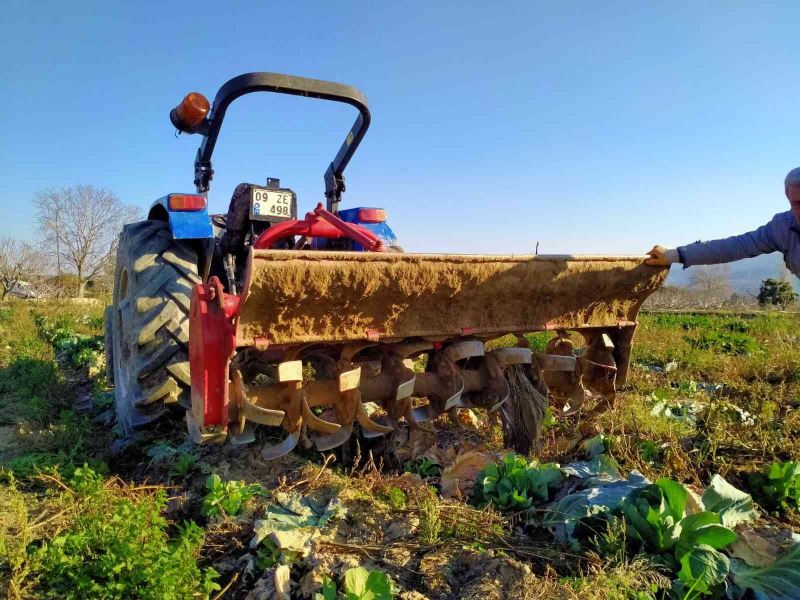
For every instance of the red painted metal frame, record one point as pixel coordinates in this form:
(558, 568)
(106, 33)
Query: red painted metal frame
(211, 346)
(213, 313)
(320, 224)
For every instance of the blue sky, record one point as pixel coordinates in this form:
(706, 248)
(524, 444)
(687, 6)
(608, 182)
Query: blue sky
(589, 127)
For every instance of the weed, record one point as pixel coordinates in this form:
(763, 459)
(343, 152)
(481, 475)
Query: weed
(15, 537)
(538, 341)
(430, 524)
(397, 498)
(651, 452)
(269, 555)
(117, 546)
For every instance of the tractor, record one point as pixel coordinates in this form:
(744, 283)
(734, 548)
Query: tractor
(312, 324)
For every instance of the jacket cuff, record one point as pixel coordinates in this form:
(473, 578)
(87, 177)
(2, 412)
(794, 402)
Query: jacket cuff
(682, 258)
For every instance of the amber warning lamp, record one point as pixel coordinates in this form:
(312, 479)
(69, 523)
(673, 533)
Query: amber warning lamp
(190, 114)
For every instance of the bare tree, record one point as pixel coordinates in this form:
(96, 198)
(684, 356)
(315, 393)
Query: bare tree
(713, 281)
(18, 260)
(81, 225)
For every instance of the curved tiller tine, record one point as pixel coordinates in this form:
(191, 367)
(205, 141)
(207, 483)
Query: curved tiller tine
(454, 353)
(316, 423)
(384, 421)
(506, 357)
(350, 351)
(463, 350)
(348, 382)
(290, 377)
(286, 446)
(329, 442)
(496, 372)
(249, 411)
(368, 424)
(455, 401)
(409, 349)
(575, 402)
(404, 380)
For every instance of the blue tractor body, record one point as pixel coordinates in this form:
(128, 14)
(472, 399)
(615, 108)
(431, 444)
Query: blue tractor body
(184, 224)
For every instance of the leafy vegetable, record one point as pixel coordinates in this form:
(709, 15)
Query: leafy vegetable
(778, 581)
(228, 497)
(289, 527)
(600, 466)
(597, 445)
(733, 506)
(359, 584)
(779, 485)
(329, 591)
(515, 483)
(293, 510)
(703, 567)
(657, 517)
(602, 497)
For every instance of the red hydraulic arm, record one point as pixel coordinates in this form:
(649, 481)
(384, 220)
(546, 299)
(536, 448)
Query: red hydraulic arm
(320, 224)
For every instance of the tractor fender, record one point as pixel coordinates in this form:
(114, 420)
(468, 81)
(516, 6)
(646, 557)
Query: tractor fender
(184, 224)
(191, 227)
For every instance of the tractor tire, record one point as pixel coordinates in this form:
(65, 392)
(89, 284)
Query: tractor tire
(150, 330)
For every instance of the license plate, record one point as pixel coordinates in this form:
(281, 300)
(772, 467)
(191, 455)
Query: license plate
(267, 203)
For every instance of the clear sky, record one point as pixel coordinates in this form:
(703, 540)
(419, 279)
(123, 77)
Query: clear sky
(591, 127)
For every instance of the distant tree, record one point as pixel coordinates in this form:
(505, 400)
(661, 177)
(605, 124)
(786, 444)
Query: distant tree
(81, 225)
(711, 280)
(775, 292)
(18, 261)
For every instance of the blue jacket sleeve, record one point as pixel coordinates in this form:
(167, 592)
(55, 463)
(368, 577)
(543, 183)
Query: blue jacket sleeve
(767, 238)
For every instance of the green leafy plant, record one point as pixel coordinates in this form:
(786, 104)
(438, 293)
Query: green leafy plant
(515, 483)
(777, 581)
(397, 498)
(359, 584)
(118, 547)
(778, 485)
(689, 543)
(650, 452)
(424, 467)
(227, 497)
(724, 342)
(269, 555)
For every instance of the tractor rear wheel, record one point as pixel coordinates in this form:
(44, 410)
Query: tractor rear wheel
(150, 323)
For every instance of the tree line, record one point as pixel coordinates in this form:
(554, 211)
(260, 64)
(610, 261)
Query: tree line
(78, 229)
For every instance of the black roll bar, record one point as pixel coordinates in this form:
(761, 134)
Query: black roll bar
(284, 84)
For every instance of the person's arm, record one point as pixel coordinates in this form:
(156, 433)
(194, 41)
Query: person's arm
(763, 240)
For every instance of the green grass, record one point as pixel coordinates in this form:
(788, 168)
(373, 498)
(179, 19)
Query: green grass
(101, 538)
(736, 376)
(115, 543)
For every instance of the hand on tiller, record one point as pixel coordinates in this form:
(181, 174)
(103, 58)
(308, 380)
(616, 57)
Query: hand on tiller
(662, 257)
